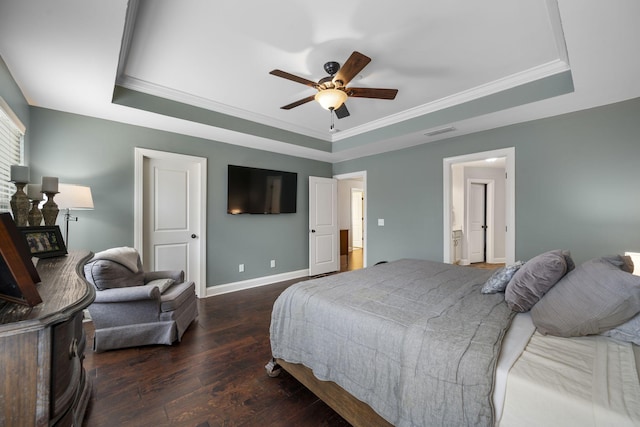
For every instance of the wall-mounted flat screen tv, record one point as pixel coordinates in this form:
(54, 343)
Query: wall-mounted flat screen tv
(260, 191)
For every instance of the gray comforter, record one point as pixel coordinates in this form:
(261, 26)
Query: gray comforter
(416, 340)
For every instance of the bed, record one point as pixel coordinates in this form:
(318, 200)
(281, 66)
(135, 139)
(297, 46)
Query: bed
(414, 343)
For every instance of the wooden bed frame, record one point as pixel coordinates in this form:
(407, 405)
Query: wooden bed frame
(355, 411)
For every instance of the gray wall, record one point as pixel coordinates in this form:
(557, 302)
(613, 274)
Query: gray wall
(577, 181)
(100, 153)
(577, 188)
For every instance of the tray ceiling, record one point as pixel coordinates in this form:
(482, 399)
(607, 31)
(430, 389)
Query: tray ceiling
(202, 68)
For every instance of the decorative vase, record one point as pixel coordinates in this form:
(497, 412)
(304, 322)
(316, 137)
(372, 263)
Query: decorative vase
(35, 216)
(20, 205)
(50, 209)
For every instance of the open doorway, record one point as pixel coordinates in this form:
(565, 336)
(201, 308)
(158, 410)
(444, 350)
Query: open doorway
(479, 208)
(352, 220)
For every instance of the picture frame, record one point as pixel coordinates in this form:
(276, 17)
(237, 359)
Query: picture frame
(44, 241)
(18, 274)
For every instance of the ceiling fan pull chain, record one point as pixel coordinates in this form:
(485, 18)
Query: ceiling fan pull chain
(331, 114)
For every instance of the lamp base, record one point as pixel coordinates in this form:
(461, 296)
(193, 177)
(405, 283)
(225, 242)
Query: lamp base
(20, 205)
(50, 210)
(35, 216)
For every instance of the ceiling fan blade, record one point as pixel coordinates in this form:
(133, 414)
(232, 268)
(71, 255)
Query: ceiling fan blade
(299, 102)
(289, 76)
(351, 68)
(365, 92)
(342, 112)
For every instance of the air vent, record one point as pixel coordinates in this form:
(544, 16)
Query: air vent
(439, 131)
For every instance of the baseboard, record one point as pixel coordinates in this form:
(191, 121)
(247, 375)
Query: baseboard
(254, 283)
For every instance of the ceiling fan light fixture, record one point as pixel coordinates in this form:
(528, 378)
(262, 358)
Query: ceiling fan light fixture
(331, 99)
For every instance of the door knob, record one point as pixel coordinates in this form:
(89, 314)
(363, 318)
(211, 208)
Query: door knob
(193, 236)
(313, 231)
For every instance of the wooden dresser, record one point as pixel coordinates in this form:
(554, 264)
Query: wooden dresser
(42, 348)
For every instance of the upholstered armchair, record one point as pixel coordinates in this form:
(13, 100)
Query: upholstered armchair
(134, 307)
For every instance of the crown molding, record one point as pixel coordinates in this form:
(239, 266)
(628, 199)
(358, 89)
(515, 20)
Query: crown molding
(509, 82)
(127, 35)
(153, 89)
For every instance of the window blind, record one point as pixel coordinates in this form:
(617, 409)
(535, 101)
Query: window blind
(11, 152)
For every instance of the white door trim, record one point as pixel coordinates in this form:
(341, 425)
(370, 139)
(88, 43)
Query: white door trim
(360, 175)
(138, 220)
(510, 199)
(360, 219)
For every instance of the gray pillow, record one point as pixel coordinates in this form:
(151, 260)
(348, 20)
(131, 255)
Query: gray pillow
(567, 258)
(499, 279)
(107, 274)
(623, 262)
(593, 298)
(629, 331)
(534, 279)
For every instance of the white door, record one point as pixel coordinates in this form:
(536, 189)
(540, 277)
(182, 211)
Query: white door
(477, 222)
(357, 200)
(323, 225)
(173, 231)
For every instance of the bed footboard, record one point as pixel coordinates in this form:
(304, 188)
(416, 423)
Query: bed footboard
(356, 412)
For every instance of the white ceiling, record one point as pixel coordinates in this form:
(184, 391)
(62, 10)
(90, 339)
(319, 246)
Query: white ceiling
(69, 55)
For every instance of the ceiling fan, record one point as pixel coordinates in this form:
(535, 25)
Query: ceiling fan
(332, 90)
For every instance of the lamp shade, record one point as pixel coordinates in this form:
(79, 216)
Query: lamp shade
(74, 197)
(331, 99)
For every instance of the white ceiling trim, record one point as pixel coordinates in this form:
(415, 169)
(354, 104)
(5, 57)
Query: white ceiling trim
(153, 89)
(127, 34)
(509, 82)
(556, 26)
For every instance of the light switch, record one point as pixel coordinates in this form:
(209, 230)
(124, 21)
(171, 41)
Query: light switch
(381, 222)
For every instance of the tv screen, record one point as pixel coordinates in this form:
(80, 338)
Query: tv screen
(260, 191)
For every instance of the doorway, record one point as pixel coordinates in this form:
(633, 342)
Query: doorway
(352, 218)
(499, 216)
(170, 213)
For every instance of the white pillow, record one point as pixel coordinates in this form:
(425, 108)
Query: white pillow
(162, 284)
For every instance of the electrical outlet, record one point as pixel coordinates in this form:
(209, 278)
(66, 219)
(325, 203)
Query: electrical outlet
(381, 222)
(273, 263)
(241, 268)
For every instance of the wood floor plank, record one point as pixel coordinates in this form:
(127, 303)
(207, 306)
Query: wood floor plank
(214, 377)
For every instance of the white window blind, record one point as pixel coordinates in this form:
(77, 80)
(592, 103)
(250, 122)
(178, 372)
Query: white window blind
(11, 152)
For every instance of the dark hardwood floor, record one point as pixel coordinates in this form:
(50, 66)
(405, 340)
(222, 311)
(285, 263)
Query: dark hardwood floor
(214, 377)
